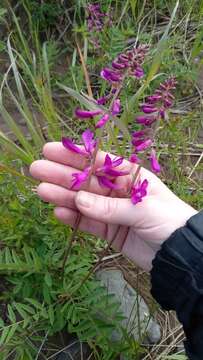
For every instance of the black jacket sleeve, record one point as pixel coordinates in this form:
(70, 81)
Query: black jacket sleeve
(177, 281)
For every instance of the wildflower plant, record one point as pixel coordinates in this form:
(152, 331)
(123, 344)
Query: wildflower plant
(102, 117)
(97, 20)
(154, 109)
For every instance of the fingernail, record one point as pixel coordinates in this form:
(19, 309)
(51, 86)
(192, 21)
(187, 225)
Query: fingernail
(84, 199)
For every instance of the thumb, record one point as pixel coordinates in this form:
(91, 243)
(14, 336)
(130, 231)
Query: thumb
(106, 209)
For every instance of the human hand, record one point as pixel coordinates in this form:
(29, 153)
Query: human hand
(140, 229)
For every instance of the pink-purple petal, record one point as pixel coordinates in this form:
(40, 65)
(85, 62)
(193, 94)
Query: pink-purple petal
(144, 185)
(143, 145)
(68, 144)
(79, 178)
(134, 159)
(110, 75)
(155, 167)
(102, 100)
(118, 66)
(107, 160)
(148, 109)
(138, 134)
(89, 142)
(139, 191)
(139, 73)
(115, 173)
(105, 182)
(85, 114)
(145, 120)
(102, 121)
(117, 161)
(116, 108)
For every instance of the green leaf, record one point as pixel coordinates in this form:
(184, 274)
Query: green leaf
(48, 279)
(8, 257)
(35, 303)
(46, 293)
(22, 312)
(28, 309)
(11, 332)
(161, 47)
(51, 314)
(4, 335)
(11, 314)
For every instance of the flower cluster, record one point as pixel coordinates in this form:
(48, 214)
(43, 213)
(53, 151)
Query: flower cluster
(154, 109)
(138, 191)
(106, 174)
(156, 105)
(96, 20)
(129, 62)
(126, 64)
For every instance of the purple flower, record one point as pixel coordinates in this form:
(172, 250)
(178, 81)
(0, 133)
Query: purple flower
(102, 100)
(138, 134)
(108, 169)
(128, 63)
(153, 98)
(106, 182)
(85, 114)
(146, 120)
(116, 108)
(80, 178)
(139, 191)
(111, 75)
(139, 72)
(132, 59)
(148, 108)
(167, 103)
(102, 121)
(97, 19)
(155, 167)
(134, 159)
(88, 141)
(68, 144)
(141, 144)
(118, 66)
(158, 103)
(107, 173)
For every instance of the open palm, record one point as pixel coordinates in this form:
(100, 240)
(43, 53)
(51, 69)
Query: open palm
(137, 230)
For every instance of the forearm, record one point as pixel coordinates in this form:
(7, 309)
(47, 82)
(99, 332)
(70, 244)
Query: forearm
(177, 281)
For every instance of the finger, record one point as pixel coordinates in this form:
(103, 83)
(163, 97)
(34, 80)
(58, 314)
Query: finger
(59, 174)
(107, 209)
(138, 251)
(56, 195)
(55, 151)
(69, 217)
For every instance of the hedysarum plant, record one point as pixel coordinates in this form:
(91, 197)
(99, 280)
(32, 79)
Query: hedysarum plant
(96, 21)
(153, 110)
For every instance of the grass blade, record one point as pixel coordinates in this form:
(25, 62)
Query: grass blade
(11, 147)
